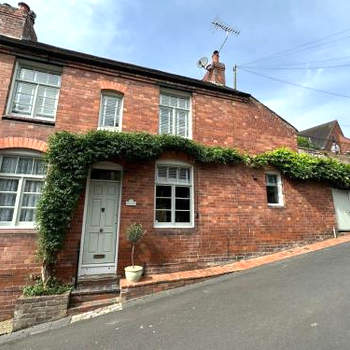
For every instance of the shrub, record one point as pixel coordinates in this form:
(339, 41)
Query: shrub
(53, 287)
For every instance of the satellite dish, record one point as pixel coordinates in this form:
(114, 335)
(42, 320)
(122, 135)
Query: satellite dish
(202, 62)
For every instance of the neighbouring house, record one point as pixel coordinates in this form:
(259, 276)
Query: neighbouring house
(328, 137)
(195, 214)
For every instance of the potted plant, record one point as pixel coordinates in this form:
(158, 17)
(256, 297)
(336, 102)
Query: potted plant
(134, 233)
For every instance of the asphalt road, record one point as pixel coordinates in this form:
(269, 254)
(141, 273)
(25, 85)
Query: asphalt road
(299, 303)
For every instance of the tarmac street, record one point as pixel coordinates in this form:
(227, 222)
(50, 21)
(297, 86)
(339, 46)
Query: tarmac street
(299, 303)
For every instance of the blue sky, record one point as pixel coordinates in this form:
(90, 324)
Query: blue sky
(171, 35)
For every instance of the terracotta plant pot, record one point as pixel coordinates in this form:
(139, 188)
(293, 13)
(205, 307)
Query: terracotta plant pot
(133, 273)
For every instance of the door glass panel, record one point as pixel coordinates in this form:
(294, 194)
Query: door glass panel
(102, 174)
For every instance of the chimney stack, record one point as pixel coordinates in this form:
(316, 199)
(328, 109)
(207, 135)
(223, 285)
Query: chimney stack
(17, 22)
(215, 71)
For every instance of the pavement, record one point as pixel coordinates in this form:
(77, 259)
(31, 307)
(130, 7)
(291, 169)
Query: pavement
(299, 303)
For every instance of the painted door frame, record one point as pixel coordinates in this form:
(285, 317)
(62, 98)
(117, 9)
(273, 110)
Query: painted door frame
(110, 268)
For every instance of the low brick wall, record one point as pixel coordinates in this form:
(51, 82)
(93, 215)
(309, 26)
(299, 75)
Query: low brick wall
(155, 283)
(30, 311)
(138, 291)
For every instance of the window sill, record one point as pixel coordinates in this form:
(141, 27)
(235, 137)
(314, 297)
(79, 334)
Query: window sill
(14, 229)
(276, 206)
(173, 226)
(28, 120)
(109, 128)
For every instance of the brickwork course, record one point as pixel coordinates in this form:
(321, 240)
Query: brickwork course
(232, 217)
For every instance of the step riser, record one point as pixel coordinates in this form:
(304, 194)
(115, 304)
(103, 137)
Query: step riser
(85, 308)
(78, 299)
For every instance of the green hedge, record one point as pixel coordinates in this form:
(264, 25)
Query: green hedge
(70, 156)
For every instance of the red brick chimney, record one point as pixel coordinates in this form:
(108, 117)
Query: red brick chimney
(216, 70)
(17, 22)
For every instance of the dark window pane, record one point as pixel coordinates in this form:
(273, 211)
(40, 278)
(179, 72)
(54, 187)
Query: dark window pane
(182, 192)
(163, 191)
(27, 215)
(272, 194)
(163, 203)
(163, 216)
(182, 204)
(271, 179)
(8, 185)
(182, 216)
(102, 174)
(7, 199)
(6, 214)
(25, 166)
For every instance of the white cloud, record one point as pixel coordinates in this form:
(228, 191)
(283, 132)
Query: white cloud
(91, 26)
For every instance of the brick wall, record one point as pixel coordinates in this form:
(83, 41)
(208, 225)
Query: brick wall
(233, 218)
(17, 22)
(17, 262)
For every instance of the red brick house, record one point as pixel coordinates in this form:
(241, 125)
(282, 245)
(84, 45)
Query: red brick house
(324, 136)
(195, 215)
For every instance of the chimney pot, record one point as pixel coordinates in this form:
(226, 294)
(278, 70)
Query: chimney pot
(215, 56)
(24, 7)
(215, 71)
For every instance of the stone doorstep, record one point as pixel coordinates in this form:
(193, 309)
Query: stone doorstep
(214, 271)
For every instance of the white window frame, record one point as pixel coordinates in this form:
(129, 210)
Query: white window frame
(15, 223)
(112, 94)
(38, 67)
(176, 93)
(279, 190)
(173, 224)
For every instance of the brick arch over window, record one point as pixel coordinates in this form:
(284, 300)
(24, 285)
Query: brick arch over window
(23, 142)
(113, 87)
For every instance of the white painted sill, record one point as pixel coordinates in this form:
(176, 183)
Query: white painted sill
(173, 226)
(277, 205)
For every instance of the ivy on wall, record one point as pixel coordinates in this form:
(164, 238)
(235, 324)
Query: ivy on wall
(70, 156)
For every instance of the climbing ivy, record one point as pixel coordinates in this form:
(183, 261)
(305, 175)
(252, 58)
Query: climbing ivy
(70, 155)
(301, 166)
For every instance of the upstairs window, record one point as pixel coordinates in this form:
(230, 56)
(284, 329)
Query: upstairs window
(110, 111)
(35, 92)
(174, 115)
(274, 189)
(21, 182)
(174, 196)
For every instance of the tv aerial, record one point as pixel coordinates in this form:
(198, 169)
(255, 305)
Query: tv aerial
(219, 25)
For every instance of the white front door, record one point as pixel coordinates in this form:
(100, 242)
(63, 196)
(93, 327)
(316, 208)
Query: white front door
(101, 227)
(341, 200)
